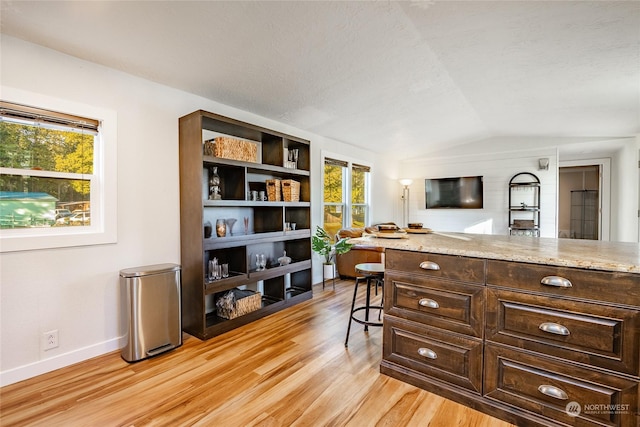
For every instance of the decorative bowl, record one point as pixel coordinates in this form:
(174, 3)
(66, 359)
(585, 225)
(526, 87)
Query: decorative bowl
(387, 228)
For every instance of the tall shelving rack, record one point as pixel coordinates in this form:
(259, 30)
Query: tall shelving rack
(524, 205)
(280, 285)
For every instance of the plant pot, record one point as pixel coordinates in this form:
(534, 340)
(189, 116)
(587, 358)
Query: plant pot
(328, 271)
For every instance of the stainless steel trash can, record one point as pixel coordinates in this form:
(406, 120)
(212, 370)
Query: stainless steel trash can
(151, 301)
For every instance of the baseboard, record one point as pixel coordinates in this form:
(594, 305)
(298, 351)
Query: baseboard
(60, 361)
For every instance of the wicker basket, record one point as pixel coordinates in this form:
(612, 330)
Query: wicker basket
(232, 148)
(290, 190)
(523, 223)
(273, 190)
(209, 148)
(235, 303)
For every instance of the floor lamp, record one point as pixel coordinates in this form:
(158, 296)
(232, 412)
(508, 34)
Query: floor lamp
(405, 201)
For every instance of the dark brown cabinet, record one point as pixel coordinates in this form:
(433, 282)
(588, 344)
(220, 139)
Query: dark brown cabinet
(531, 344)
(549, 390)
(248, 225)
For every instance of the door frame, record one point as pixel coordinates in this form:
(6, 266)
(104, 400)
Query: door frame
(604, 199)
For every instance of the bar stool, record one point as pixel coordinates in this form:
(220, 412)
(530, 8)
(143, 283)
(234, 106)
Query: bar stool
(373, 273)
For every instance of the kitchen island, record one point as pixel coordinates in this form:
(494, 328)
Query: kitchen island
(535, 331)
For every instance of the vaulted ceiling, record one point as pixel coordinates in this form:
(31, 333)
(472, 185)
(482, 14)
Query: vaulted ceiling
(400, 78)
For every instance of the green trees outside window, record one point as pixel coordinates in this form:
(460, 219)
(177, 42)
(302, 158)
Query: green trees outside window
(345, 195)
(46, 174)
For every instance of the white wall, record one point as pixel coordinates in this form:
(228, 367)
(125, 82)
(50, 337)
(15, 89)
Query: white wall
(495, 159)
(497, 169)
(75, 290)
(624, 194)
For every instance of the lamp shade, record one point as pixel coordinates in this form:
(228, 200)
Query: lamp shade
(406, 182)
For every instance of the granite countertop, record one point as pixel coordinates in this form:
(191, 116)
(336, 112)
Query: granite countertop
(589, 254)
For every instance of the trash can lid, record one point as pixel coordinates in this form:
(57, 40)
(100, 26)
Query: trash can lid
(148, 270)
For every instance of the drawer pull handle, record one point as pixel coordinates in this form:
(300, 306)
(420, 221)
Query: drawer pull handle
(557, 281)
(554, 328)
(429, 265)
(555, 392)
(426, 352)
(426, 302)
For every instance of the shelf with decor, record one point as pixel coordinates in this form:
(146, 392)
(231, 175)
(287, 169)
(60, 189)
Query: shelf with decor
(229, 173)
(524, 205)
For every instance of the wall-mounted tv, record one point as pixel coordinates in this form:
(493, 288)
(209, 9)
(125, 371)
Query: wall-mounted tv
(454, 193)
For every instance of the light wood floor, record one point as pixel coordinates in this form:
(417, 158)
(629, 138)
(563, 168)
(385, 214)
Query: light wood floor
(288, 369)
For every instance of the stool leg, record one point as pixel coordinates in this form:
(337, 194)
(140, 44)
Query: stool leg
(353, 305)
(367, 304)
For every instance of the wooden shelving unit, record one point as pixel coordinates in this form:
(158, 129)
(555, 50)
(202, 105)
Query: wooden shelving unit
(280, 286)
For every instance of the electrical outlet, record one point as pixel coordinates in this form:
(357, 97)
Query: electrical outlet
(50, 340)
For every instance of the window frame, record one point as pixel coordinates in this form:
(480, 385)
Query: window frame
(367, 184)
(347, 202)
(103, 228)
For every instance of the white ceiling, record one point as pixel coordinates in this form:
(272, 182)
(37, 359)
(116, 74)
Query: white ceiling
(400, 78)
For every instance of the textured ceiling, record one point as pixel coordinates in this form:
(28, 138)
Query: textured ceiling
(401, 78)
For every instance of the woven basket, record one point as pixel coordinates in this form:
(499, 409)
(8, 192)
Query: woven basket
(523, 223)
(236, 303)
(290, 190)
(232, 148)
(209, 148)
(273, 190)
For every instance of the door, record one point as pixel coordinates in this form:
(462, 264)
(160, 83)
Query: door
(583, 175)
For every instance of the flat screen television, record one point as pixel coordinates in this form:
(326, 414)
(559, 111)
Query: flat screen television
(454, 193)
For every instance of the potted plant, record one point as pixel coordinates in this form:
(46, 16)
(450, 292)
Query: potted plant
(323, 244)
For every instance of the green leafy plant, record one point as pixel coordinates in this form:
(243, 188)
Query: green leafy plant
(323, 244)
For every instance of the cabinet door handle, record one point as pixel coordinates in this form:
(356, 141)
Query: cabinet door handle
(551, 391)
(557, 281)
(426, 302)
(427, 352)
(429, 265)
(554, 328)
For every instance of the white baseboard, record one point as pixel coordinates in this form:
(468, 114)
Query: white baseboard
(47, 365)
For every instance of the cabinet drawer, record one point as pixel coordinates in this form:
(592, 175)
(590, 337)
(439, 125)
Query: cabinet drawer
(617, 288)
(444, 304)
(592, 334)
(554, 389)
(470, 270)
(451, 358)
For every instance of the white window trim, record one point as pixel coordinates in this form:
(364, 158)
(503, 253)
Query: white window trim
(346, 186)
(103, 228)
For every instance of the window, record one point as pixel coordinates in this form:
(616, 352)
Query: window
(359, 199)
(346, 195)
(54, 182)
(47, 168)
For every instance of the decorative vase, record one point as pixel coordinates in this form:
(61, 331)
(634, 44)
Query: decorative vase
(284, 259)
(230, 222)
(208, 229)
(221, 228)
(214, 185)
